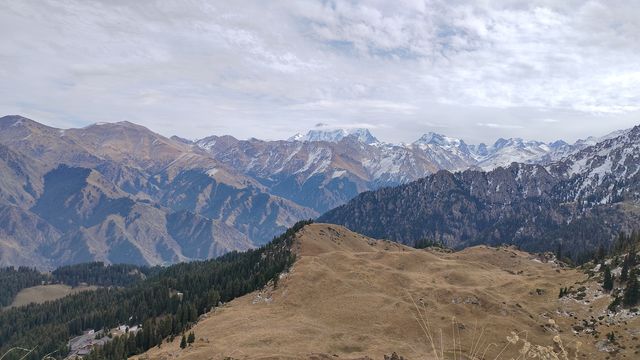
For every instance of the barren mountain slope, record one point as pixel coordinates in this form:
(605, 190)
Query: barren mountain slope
(194, 206)
(348, 297)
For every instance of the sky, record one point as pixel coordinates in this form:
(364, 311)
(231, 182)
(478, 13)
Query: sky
(478, 70)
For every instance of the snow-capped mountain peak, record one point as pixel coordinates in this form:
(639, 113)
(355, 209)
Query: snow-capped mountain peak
(296, 137)
(363, 135)
(335, 135)
(518, 143)
(558, 144)
(438, 139)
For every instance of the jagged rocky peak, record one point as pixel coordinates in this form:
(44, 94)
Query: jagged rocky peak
(438, 139)
(515, 143)
(363, 135)
(558, 144)
(335, 135)
(481, 150)
(500, 143)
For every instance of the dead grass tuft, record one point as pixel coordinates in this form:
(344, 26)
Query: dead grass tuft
(479, 349)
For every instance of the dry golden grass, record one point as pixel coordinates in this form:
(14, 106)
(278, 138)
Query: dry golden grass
(42, 293)
(350, 297)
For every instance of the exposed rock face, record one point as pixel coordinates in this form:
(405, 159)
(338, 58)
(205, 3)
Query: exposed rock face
(121, 193)
(19, 183)
(580, 201)
(23, 238)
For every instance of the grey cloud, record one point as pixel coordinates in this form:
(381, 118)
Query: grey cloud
(269, 69)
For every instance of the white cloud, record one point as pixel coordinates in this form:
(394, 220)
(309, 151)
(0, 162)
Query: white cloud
(475, 69)
(364, 105)
(500, 126)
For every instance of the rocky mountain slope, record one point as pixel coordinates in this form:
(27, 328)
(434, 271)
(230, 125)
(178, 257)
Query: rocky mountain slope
(325, 168)
(581, 201)
(121, 193)
(320, 174)
(352, 297)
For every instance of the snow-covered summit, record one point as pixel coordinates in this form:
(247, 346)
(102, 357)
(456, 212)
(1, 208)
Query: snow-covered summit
(335, 135)
(432, 138)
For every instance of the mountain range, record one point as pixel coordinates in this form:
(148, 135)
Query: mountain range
(325, 168)
(121, 193)
(580, 202)
(118, 192)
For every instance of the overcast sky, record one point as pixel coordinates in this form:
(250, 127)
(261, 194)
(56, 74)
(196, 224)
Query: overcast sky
(477, 70)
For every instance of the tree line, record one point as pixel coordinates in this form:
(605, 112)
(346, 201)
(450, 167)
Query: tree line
(99, 274)
(166, 303)
(13, 280)
(623, 254)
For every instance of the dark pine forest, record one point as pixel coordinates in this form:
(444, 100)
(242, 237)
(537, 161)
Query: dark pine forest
(165, 301)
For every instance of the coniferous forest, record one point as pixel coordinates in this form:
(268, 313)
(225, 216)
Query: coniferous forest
(13, 280)
(166, 303)
(97, 273)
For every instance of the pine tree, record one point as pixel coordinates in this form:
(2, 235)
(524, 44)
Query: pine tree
(559, 252)
(632, 292)
(607, 283)
(624, 274)
(183, 342)
(614, 304)
(192, 338)
(601, 253)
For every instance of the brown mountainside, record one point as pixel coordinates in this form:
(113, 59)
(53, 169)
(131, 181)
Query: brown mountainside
(351, 297)
(121, 193)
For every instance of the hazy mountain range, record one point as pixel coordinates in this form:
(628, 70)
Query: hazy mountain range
(118, 192)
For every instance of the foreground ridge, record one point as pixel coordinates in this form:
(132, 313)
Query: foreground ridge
(353, 297)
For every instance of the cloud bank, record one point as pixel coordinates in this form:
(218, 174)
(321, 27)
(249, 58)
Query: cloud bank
(477, 70)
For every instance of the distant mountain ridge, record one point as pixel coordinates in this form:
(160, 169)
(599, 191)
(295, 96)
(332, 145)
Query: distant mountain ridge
(502, 153)
(326, 167)
(118, 192)
(580, 202)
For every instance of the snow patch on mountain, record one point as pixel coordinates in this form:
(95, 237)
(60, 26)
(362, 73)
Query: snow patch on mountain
(338, 173)
(335, 135)
(439, 140)
(318, 161)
